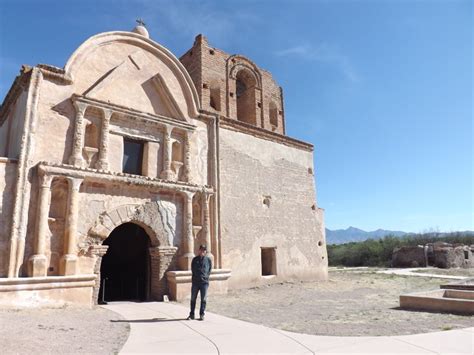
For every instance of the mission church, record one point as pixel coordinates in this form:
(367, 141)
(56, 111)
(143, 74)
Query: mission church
(116, 168)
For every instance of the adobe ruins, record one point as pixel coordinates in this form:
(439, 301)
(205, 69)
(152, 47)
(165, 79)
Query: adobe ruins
(114, 169)
(439, 254)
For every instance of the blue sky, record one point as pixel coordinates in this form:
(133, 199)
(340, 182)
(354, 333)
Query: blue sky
(383, 89)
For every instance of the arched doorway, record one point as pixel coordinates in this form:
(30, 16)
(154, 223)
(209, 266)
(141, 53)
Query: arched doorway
(125, 268)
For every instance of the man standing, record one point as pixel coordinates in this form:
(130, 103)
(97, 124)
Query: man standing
(201, 267)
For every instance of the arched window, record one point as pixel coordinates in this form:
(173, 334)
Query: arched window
(273, 110)
(245, 92)
(215, 95)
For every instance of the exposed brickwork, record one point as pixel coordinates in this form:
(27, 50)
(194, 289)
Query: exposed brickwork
(162, 259)
(215, 74)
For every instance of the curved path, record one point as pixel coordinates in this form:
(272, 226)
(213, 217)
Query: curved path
(161, 328)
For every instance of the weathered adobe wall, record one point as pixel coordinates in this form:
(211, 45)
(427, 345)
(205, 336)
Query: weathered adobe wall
(96, 199)
(12, 128)
(208, 68)
(8, 171)
(252, 169)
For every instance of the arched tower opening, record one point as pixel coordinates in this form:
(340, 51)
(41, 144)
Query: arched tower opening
(245, 86)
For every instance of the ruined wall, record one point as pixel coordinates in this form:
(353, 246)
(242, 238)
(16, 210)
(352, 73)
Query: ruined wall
(8, 172)
(409, 256)
(268, 200)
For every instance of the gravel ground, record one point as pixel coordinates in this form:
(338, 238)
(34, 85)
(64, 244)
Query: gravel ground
(61, 331)
(349, 304)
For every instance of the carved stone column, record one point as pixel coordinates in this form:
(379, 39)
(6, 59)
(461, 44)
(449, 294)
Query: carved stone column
(97, 251)
(167, 151)
(76, 158)
(206, 225)
(68, 262)
(187, 244)
(187, 157)
(37, 264)
(103, 162)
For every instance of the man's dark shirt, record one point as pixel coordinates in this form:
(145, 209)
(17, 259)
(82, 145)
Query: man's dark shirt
(201, 267)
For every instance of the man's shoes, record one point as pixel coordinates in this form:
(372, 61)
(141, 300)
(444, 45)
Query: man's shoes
(190, 317)
(201, 318)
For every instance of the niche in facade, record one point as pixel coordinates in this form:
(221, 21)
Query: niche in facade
(177, 158)
(59, 195)
(91, 144)
(197, 215)
(57, 214)
(245, 92)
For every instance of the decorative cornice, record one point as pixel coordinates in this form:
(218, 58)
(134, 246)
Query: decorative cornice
(18, 85)
(55, 74)
(148, 117)
(87, 174)
(262, 133)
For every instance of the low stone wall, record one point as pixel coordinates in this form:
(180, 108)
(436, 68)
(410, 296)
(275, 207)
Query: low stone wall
(179, 283)
(52, 292)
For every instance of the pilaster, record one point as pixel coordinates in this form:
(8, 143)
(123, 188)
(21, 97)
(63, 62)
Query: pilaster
(103, 162)
(206, 226)
(79, 131)
(37, 263)
(187, 157)
(167, 173)
(68, 264)
(187, 246)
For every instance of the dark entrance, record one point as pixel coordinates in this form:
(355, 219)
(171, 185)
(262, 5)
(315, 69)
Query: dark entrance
(125, 268)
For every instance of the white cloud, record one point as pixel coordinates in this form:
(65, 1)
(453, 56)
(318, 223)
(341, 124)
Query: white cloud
(323, 52)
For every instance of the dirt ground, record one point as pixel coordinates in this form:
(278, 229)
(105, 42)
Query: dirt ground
(351, 303)
(60, 331)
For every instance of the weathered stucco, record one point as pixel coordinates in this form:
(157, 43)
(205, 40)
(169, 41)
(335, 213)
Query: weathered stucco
(268, 200)
(11, 129)
(7, 185)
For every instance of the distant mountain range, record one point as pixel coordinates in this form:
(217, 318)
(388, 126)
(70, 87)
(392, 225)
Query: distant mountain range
(353, 234)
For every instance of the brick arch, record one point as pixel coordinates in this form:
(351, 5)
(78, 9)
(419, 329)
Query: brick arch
(148, 216)
(234, 71)
(237, 61)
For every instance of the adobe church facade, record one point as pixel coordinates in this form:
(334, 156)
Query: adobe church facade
(116, 168)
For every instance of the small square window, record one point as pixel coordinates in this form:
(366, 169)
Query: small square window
(132, 156)
(268, 261)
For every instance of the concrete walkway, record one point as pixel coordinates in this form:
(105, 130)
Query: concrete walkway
(161, 328)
